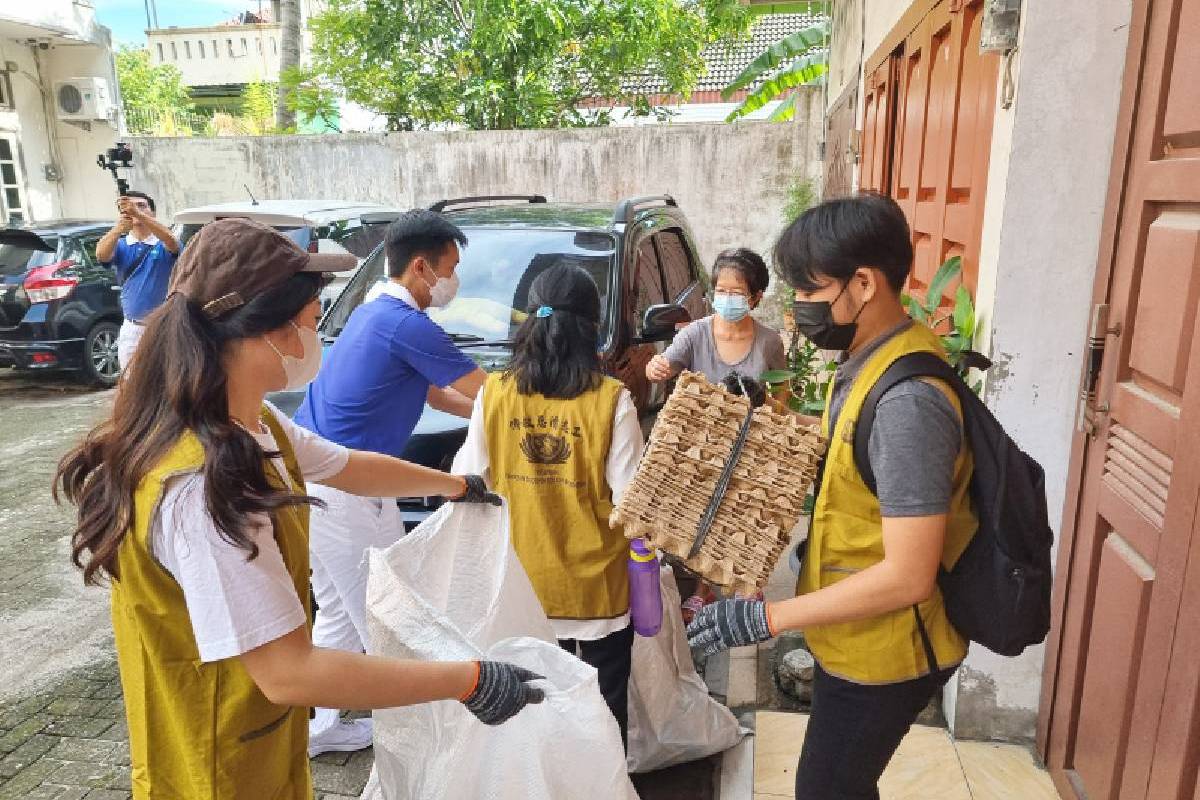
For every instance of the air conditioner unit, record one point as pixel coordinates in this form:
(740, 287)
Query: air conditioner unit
(83, 99)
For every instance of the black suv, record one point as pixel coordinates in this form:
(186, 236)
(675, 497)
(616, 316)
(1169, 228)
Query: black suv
(60, 308)
(640, 253)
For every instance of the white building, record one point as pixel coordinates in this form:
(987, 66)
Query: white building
(217, 61)
(51, 133)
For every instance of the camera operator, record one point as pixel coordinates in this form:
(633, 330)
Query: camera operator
(142, 251)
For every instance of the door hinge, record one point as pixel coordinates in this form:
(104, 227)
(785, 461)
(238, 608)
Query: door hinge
(1091, 411)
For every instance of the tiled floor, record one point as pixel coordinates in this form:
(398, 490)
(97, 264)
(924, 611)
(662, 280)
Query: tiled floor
(929, 764)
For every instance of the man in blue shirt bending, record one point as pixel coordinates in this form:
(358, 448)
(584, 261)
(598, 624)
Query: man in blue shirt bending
(142, 251)
(387, 363)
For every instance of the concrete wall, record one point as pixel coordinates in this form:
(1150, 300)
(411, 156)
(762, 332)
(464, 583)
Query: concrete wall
(75, 47)
(1047, 191)
(731, 180)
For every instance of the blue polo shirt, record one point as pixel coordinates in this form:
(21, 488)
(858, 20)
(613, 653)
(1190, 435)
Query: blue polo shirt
(375, 379)
(143, 280)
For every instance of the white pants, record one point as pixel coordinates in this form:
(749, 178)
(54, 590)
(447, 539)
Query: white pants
(339, 537)
(127, 341)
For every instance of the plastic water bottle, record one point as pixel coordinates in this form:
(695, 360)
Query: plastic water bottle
(645, 592)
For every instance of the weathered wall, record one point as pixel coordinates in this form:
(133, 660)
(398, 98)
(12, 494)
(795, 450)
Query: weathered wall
(76, 47)
(1048, 181)
(731, 180)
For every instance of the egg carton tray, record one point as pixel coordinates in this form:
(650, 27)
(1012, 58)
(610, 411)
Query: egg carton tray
(675, 499)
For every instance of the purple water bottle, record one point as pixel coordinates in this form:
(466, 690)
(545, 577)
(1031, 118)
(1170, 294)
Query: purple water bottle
(645, 593)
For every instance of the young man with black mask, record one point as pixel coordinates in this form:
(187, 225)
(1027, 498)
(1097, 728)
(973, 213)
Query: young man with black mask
(872, 559)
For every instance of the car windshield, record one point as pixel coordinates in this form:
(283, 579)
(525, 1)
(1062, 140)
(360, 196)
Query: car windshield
(18, 257)
(497, 268)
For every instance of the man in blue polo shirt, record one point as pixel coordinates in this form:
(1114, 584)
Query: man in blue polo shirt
(388, 362)
(142, 251)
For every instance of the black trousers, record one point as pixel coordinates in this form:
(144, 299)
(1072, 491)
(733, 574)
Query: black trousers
(853, 732)
(612, 657)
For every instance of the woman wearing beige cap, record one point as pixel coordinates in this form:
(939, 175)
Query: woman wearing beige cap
(191, 501)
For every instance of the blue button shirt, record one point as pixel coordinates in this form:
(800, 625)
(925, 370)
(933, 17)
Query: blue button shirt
(374, 381)
(143, 282)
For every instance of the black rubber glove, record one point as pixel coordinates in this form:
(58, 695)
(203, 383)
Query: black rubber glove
(729, 623)
(501, 691)
(477, 492)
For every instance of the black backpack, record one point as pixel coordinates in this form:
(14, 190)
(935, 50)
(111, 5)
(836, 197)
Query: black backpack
(998, 592)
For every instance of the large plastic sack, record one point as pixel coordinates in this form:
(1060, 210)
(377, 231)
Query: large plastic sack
(672, 717)
(453, 589)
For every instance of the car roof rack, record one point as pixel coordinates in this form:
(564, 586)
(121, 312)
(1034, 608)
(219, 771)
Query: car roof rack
(627, 209)
(442, 205)
(378, 217)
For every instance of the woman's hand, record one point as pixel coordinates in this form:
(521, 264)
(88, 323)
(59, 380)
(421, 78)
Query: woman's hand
(659, 369)
(500, 691)
(475, 491)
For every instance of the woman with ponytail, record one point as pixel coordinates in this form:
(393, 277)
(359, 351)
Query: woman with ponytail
(192, 506)
(561, 442)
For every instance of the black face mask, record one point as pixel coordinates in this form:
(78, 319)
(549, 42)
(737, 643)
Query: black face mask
(814, 319)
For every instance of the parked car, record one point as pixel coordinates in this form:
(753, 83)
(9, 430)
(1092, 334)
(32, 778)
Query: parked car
(319, 226)
(59, 307)
(640, 252)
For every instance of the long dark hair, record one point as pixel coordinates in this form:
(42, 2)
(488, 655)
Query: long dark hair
(555, 353)
(177, 383)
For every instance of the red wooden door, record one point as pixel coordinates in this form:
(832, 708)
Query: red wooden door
(1121, 700)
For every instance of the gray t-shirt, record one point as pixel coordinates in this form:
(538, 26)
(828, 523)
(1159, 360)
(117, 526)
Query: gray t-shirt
(914, 442)
(695, 349)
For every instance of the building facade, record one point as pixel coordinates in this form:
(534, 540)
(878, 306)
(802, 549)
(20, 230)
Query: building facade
(49, 137)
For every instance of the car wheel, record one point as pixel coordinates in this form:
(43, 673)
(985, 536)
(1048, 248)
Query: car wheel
(101, 367)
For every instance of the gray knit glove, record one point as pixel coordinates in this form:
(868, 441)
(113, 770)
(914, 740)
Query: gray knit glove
(501, 691)
(729, 623)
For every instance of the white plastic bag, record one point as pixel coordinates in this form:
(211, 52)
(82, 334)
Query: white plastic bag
(454, 589)
(672, 718)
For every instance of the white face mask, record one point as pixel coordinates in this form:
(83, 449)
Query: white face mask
(300, 372)
(443, 291)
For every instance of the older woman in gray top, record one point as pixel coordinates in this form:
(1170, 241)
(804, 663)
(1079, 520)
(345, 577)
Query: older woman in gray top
(730, 340)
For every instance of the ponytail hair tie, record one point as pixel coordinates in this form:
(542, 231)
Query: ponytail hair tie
(544, 311)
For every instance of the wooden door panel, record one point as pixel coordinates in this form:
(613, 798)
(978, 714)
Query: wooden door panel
(1124, 716)
(1122, 600)
(943, 138)
(878, 119)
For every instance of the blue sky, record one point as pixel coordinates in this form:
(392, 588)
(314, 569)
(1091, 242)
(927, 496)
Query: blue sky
(127, 18)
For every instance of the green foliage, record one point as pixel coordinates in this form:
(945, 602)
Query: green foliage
(501, 64)
(151, 95)
(789, 63)
(313, 99)
(258, 109)
(956, 326)
(801, 196)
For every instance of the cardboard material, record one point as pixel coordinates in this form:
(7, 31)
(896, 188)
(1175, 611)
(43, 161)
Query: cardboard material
(689, 447)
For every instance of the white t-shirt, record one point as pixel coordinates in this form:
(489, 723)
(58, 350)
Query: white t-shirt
(236, 604)
(624, 453)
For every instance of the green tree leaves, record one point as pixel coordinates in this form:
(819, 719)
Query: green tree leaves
(149, 92)
(501, 64)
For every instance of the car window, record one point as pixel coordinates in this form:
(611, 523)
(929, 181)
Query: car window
(680, 272)
(496, 269)
(645, 284)
(89, 243)
(16, 258)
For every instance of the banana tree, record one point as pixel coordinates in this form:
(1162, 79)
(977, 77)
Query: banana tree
(799, 59)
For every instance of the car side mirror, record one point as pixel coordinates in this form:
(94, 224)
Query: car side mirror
(660, 322)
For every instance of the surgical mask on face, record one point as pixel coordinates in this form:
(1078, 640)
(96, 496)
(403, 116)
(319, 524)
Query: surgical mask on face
(731, 307)
(443, 291)
(814, 319)
(301, 371)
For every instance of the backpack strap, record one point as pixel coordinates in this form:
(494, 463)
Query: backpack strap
(912, 365)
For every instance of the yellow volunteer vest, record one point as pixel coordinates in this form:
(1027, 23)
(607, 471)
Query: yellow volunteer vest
(847, 537)
(202, 731)
(547, 458)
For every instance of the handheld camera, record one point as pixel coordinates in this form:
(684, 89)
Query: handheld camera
(119, 156)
